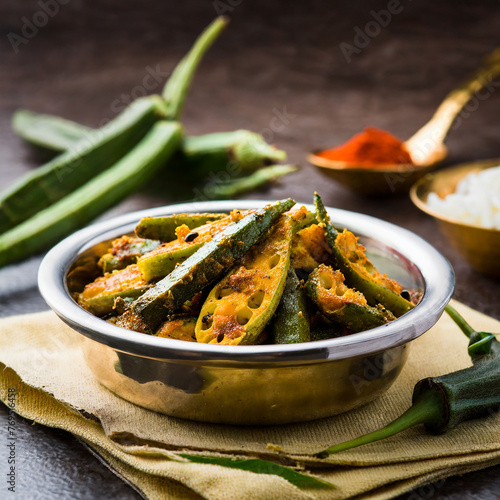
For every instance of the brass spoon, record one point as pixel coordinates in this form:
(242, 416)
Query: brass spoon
(426, 146)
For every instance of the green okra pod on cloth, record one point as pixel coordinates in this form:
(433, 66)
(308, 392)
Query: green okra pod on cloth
(441, 403)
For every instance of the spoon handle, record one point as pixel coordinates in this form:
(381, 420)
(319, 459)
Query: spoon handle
(429, 139)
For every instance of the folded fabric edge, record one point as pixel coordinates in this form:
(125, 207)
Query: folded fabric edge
(432, 480)
(146, 485)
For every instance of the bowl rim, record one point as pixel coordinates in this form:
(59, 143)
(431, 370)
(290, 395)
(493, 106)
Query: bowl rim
(432, 265)
(420, 203)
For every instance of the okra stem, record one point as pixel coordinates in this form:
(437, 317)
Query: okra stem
(231, 189)
(177, 86)
(425, 410)
(459, 320)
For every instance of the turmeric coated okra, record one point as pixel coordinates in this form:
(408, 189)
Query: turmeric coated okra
(235, 275)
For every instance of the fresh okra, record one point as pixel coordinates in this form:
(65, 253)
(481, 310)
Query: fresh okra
(202, 269)
(99, 149)
(68, 172)
(343, 305)
(97, 195)
(359, 273)
(47, 131)
(238, 155)
(441, 403)
(240, 152)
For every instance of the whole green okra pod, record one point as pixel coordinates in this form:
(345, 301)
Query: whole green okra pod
(237, 153)
(100, 149)
(441, 403)
(94, 197)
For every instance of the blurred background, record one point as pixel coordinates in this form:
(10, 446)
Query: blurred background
(300, 73)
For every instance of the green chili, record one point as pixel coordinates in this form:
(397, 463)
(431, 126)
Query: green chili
(441, 403)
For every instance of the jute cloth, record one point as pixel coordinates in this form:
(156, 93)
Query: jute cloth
(40, 358)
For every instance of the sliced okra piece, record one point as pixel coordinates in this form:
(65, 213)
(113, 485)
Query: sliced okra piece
(99, 296)
(343, 305)
(178, 328)
(163, 228)
(291, 320)
(162, 261)
(240, 306)
(203, 268)
(358, 271)
(125, 251)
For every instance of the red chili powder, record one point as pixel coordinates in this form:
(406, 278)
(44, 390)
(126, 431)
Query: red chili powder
(370, 148)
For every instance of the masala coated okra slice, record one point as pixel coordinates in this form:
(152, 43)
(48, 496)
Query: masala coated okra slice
(341, 304)
(240, 306)
(291, 320)
(202, 269)
(125, 251)
(358, 271)
(178, 328)
(163, 228)
(162, 261)
(310, 249)
(99, 296)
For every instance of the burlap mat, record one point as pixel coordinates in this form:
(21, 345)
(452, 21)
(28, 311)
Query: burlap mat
(40, 357)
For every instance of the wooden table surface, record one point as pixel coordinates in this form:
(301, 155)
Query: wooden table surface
(279, 69)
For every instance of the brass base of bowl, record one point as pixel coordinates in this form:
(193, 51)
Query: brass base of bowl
(245, 396)
(250, 385)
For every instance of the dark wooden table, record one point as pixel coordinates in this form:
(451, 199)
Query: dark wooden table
(280, 69)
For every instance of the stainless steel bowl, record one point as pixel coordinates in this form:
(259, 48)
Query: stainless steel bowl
(251, 385)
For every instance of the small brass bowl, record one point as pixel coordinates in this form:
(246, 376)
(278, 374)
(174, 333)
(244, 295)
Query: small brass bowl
(375, 181)
(480, 246)
(251, 384)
